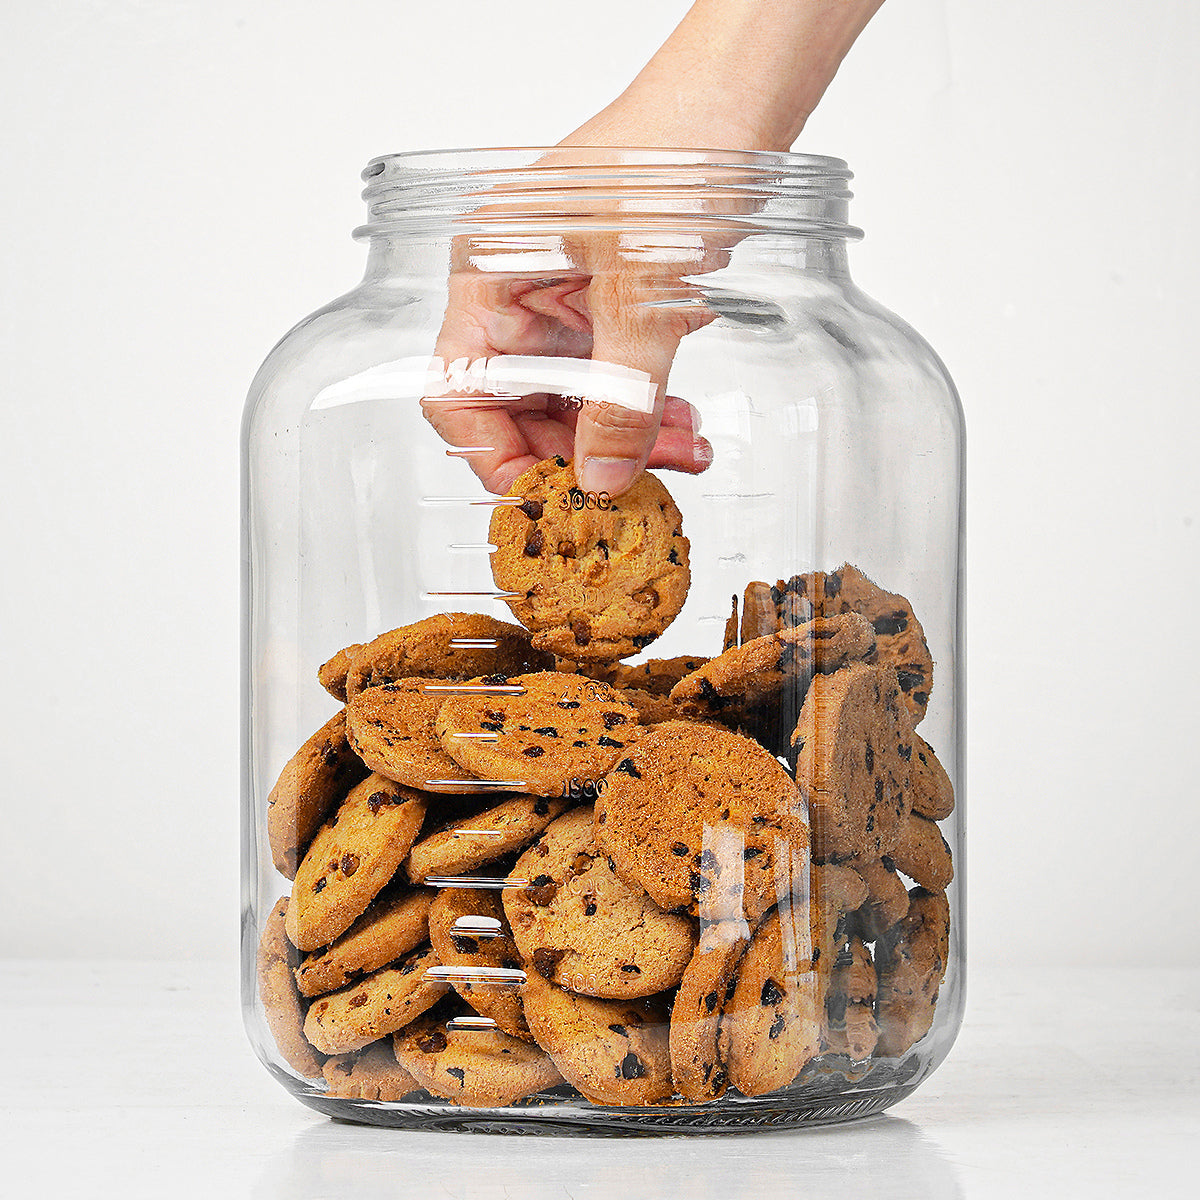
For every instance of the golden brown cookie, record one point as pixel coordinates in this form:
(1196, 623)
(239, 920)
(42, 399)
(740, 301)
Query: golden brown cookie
(471, 840)
(371, 1073)
(853, 744)
(899, 638)
(887, 897)
(910, 961)
(771, 1024)
(656, 675)
(445, 646)
(481, 1068)
(932, 791)
(316, 778)
(354, 855)
(471, 936)
(390, 727)
(731, 628)
(757, 672)
(850, 1027)
(652, 709)
(282, 1005)
(595, 579)
(560, 728)
(374, 1006)
(396, 922)
(579, 925)
(331, 675)
(613, 1051)
(759, 618)
(708, 983)
(691, 811)
(923, 855)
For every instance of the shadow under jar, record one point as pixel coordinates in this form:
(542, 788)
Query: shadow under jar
(574, 811)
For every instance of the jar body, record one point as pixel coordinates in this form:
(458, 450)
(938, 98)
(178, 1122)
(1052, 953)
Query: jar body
(834, 495)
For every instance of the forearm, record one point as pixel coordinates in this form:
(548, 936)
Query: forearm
(740, 73)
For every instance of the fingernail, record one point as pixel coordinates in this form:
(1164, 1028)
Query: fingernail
(695, 417)
(702, 452)
(611, 475)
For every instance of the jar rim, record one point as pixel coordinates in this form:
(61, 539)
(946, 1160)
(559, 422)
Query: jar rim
(622, 187)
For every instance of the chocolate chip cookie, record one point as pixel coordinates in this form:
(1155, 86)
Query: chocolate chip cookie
(445, 646)
(282, 1005)
(580, 926)
(850, 1027)
(910, 961)
(853, 744)
(371, 1073)
(317, 777)
(355, 853)
(396, 922)
(613, 1051)
(559, 728)
(482, 1068)
(922, 854)
(675, 795)
(374, 1006)
(594, 578)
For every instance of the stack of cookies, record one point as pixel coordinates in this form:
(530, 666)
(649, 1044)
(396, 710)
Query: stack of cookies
(520, 863)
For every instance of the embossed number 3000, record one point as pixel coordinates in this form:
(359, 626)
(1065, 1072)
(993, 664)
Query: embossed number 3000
(580, 500)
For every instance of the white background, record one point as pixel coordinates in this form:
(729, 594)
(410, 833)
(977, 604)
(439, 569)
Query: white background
(177, 185)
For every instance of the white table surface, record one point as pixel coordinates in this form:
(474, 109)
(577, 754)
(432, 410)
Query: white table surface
(135, 1079)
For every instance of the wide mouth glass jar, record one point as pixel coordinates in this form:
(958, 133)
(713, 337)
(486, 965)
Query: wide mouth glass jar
(603, 808)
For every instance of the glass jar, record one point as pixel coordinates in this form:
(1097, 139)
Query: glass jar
(622, 809)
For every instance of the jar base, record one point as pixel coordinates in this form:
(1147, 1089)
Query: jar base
(806, 1104)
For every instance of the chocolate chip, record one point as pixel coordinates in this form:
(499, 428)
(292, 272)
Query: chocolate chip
(545, 961)
(632, 1067)
(378, 800)
(464, 944)
(359, 1000)
(776, 1026)
(535, 543)
(533, 751)
(568, 703)
(604, 740)
(891, 625)
(642, 640)
(547, 731)
(349, 864)
(612, 719)
(319, 886)
(619, 1029)
(647, 595)
(626, 767)
(673, 557)
(532, 509)
(921, 698)
(559, 461)
(589, 908)
(833, 584)
(707, 860)
(772, 993)
(458, 1073)
(566, 548)
(869, 755)
(878, 789)
(602, 546)
(710, 1001)
(433, 1043)
(752, 852)
(630, 969)
(582, 631)
(542, 807)
(679, 848)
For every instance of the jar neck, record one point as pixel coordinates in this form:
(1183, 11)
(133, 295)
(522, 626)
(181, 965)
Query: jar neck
(552, 211)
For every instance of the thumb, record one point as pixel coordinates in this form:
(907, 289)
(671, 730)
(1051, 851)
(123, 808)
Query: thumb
(618, 425)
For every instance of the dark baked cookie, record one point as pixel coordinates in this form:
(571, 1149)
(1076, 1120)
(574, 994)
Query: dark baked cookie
(731, 628)
(316, 778)
(910, 961)
(560, 728)
(671, 809)
(371, 1073)
(390, 728)
(887, 897)
(471, 936)
(853, 744)
(331, 675)
(652, 708)
(613, 1051)
(930, 786)
(445, 646)
(757, 673)
(657, 675)
(354, 855)
(922, 854)
(708, 983)
(591, 582)
(579, 925)
(850, 1027)
(470, 841)
(282, 1005)
(396, 922)
(374, 1006)
(899, 638)
(482, 1068)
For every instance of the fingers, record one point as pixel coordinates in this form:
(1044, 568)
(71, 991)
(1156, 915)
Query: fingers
(635, 325)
